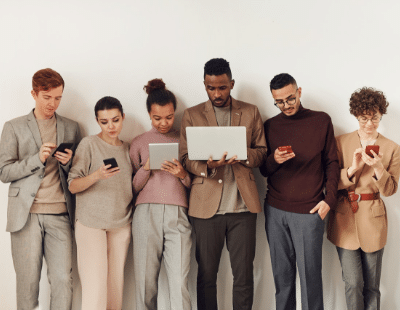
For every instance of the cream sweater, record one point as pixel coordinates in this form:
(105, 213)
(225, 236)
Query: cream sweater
(107, 203)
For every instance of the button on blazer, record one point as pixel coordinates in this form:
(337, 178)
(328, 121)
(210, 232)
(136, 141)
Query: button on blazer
(206, 189)
(20, 165)
(367, 228)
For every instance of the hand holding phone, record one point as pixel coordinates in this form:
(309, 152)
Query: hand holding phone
(105, 173)
(281, 158)
(111, 161)
(287, 148)
(61, 148)
(374, 148)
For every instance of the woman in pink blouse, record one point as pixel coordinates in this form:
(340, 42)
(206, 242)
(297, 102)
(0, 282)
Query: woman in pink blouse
(160, 226)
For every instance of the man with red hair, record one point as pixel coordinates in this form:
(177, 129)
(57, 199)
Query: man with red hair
(40, 207)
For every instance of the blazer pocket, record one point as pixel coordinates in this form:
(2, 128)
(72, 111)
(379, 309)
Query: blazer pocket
(378, 210)
(198, 180)
(13, 191)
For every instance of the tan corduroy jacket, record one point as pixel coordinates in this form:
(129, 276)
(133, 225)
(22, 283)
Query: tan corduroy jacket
(206, 190)
(367, 228)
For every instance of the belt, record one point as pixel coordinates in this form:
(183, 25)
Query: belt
(355, 198)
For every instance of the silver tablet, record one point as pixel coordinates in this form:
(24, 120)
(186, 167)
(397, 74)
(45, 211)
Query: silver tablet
(159, 152)
(203, 142)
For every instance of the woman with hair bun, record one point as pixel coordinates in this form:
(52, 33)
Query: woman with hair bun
(358, 224)
(160, 225)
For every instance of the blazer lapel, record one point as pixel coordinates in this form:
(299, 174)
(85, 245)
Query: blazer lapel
(33, 126)
(236, 113)
(60, 129)
(210, 114)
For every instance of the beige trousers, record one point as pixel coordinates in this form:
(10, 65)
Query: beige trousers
(101, 257)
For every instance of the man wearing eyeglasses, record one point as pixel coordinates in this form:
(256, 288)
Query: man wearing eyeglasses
(303, 171)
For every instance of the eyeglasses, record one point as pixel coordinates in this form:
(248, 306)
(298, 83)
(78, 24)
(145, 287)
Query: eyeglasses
(375, 120)
(291, 101)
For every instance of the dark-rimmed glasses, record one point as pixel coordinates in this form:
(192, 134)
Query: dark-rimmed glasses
(291, 101)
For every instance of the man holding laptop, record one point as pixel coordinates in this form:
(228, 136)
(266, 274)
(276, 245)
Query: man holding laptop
(224, 197)
(303, 172)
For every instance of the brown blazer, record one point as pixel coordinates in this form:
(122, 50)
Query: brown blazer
(367, 228)
(206, 190)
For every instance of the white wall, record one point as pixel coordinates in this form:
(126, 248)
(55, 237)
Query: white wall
(114, 47)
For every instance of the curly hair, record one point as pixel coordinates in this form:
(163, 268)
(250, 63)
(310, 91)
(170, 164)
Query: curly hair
(368, 100)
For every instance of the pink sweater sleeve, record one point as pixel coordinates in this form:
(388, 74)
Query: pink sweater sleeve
(141, 176)
(187, 182)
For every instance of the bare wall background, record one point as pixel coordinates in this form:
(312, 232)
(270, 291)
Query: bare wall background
(113, 48)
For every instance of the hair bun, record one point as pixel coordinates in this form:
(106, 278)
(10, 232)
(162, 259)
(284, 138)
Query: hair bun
(153, 85)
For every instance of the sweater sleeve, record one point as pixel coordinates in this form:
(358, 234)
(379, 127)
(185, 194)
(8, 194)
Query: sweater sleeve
(141, 176)
(81, 161)
(187, 181)
(331, 167)
(270, 165)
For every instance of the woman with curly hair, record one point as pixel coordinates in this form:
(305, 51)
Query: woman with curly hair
(358, 224)
(160, 226)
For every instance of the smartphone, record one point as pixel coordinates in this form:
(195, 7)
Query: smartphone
(368, 149)
(110, 161)
(62, 147)
(287, 148)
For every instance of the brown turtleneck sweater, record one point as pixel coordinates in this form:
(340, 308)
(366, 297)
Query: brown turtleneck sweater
(297, 185)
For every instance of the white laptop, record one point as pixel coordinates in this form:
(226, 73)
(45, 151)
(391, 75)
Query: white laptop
(159, 152)
(203, 142)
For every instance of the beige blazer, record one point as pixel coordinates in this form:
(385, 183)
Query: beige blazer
(20, 165)
(367, 228)
(206, 190)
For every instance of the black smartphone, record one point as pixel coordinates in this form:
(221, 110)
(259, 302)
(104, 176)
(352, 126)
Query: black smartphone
(62, 147)
(110, 161)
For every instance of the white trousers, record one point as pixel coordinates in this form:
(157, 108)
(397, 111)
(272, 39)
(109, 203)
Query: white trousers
(101, 255)
(161, 232)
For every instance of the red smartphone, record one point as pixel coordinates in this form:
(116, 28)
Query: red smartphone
(287, 148)
(368, 149)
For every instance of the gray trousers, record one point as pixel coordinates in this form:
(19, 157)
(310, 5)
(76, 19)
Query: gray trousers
(295, 238)
(361, 275)
(161, 232)
(49, 236)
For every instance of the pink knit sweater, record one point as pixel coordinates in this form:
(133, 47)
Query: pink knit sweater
(156, 186)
